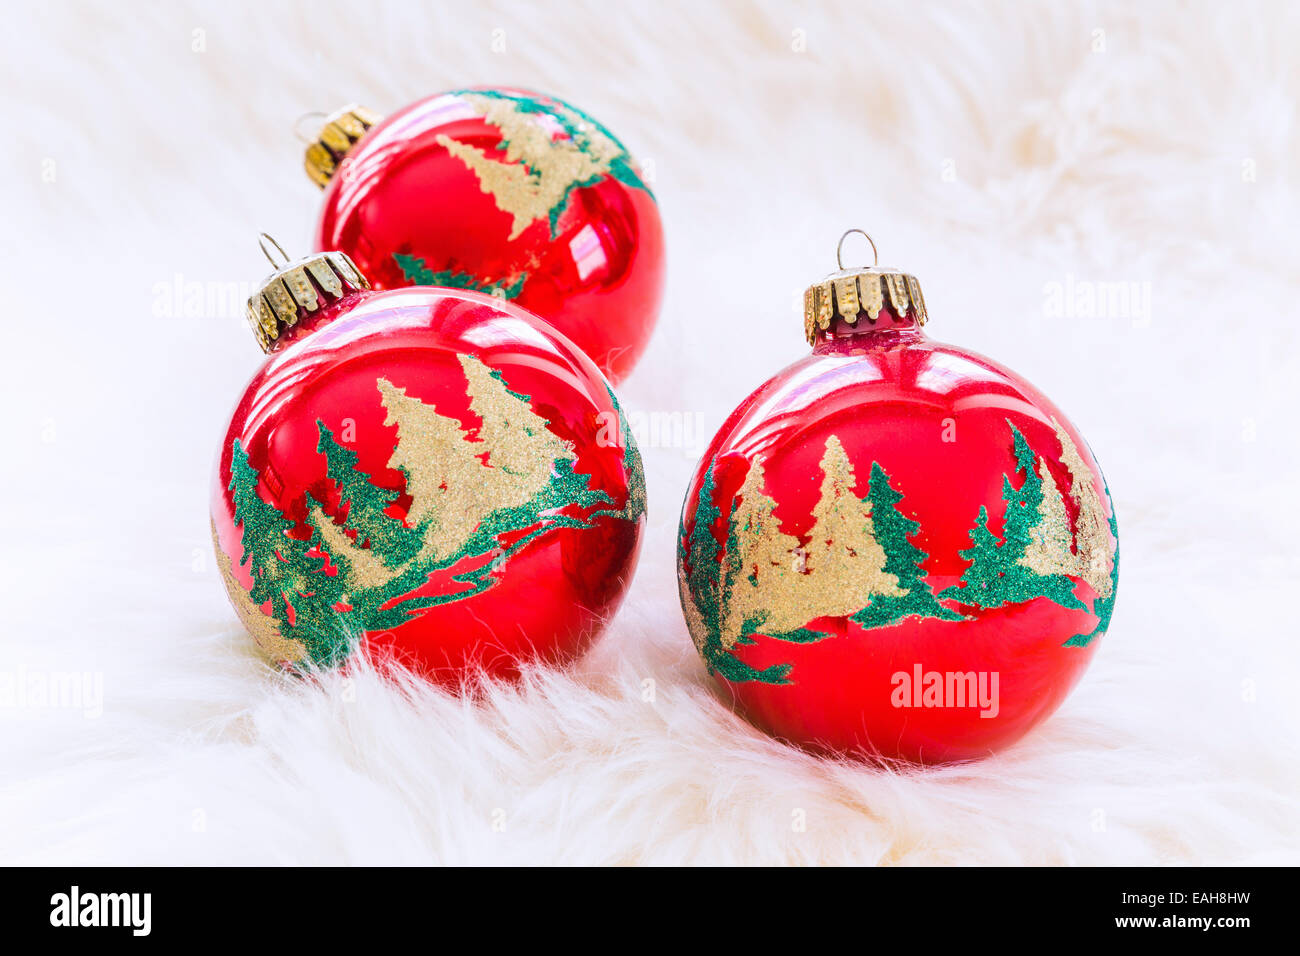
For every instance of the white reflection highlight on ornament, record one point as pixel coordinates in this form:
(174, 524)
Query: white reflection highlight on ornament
(588, 252)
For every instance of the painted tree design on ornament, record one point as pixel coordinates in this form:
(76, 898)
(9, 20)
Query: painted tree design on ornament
(417, 272)
(550, 149)
(358, 569)
(860, 563)
(1039, 552)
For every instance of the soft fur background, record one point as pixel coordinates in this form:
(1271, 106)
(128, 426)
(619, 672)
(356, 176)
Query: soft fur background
(1170, 156)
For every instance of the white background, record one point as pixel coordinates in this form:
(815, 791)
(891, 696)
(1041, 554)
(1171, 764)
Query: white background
(996, 150)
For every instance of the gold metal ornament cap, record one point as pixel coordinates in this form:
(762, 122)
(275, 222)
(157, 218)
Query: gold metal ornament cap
(858, 291)
(298, 287)
(340, 132)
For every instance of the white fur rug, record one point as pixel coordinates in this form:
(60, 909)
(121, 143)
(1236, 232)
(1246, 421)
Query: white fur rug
(1015, 157)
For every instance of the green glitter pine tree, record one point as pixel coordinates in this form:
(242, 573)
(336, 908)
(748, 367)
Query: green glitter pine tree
(702, 591)
(633, 467)
(700, 551)
(284, 571)
(902, 559)
(996, 575)
(390, 540)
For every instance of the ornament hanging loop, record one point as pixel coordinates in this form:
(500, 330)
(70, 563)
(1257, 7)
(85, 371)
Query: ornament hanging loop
(262, 240)
(320, 120)
(839, 248)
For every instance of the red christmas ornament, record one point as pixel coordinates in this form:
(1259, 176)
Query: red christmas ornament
(896, 548)
(502, 191)
(431, 475)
